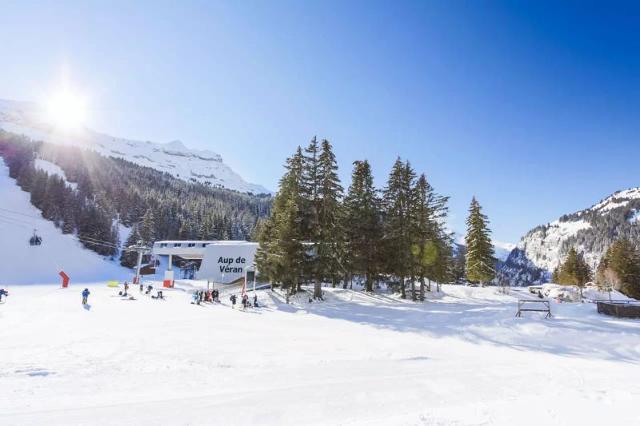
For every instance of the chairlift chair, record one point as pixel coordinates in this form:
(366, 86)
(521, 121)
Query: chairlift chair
(35, 239)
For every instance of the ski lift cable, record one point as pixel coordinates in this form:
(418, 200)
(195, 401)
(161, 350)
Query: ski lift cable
(97, 241)
(20, 213)
(14, 223)
(16, 219)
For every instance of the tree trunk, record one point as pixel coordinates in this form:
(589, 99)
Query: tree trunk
(421, 288)
(368, 283)
(413, 288)
(317, 289)
(403, 293)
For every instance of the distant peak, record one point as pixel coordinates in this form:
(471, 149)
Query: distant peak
(176, 144)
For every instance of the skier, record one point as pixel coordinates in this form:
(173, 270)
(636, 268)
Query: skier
(126, 287)
(141, 288)
(149, 288)
(3, 292)
(85, 296)
(233, 300)
(245, 301)
(196, 299)
(255, 300)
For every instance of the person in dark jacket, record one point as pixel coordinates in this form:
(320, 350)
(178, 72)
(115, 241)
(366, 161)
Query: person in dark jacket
(85, 296)
(3, 292)
(233, 300)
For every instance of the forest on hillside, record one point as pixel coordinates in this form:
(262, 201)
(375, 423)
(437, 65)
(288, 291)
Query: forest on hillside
(113, 191)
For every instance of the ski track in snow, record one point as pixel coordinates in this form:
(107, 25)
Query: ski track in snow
(460, 358)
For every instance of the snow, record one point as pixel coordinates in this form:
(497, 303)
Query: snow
(635, 216)
(543, 246)
(618, 199)
(174, 158)
(572, 293)
(25, 264)
(502, 249)
(459, 359)
(54, 169)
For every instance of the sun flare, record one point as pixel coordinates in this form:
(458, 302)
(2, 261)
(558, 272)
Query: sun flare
(67, 110)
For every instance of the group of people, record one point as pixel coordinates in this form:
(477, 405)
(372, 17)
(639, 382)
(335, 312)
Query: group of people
(245, 301)
(208, 296)
(3, 293)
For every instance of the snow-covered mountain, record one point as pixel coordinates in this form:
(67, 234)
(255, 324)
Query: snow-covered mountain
(590, 231)
(174, 157)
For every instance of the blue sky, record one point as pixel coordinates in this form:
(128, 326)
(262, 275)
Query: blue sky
(534, 107)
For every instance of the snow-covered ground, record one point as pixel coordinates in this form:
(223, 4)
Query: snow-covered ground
(459, 359)
(25, 264)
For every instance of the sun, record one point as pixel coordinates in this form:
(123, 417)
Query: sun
(67, 110)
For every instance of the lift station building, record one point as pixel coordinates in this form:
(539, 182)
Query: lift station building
(220, 261)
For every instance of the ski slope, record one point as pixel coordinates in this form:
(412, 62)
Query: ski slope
(459, 359)
(25, 264)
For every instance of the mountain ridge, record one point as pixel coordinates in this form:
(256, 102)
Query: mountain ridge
(591, 231)
(204, 166)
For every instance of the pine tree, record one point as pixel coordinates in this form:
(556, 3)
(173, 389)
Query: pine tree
(309, 209)
(620, 268)
(328, 211)
(129, 258)
(397, 199)
(574, 270)
(480, 260)
(148, 228)
(362, 225)
(431, 245)
(282, 254)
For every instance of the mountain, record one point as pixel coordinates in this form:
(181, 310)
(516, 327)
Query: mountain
(100, 201)
(175, 158)
(26, 264)
(590, 231)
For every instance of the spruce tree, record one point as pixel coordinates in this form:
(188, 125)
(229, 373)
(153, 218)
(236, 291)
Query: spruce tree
(362, 225)
(309, 209)
(480, 260)
(282, 255)
(574, 270)
(431, 244)
(148, 228)
(620, 268)
(328, 236)
(129, 258)
(397, 199)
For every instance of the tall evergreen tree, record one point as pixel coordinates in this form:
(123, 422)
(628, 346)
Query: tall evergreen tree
(431, 245)
(480, 260)
(328, 207)
(282, 254)
(362, 225)
(397, 199)
(129, 258)
(148, 228)
(620, 268)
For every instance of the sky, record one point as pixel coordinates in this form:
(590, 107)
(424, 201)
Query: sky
(532, 107)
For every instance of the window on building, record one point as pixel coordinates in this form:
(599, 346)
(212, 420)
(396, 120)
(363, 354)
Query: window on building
(177, 245)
